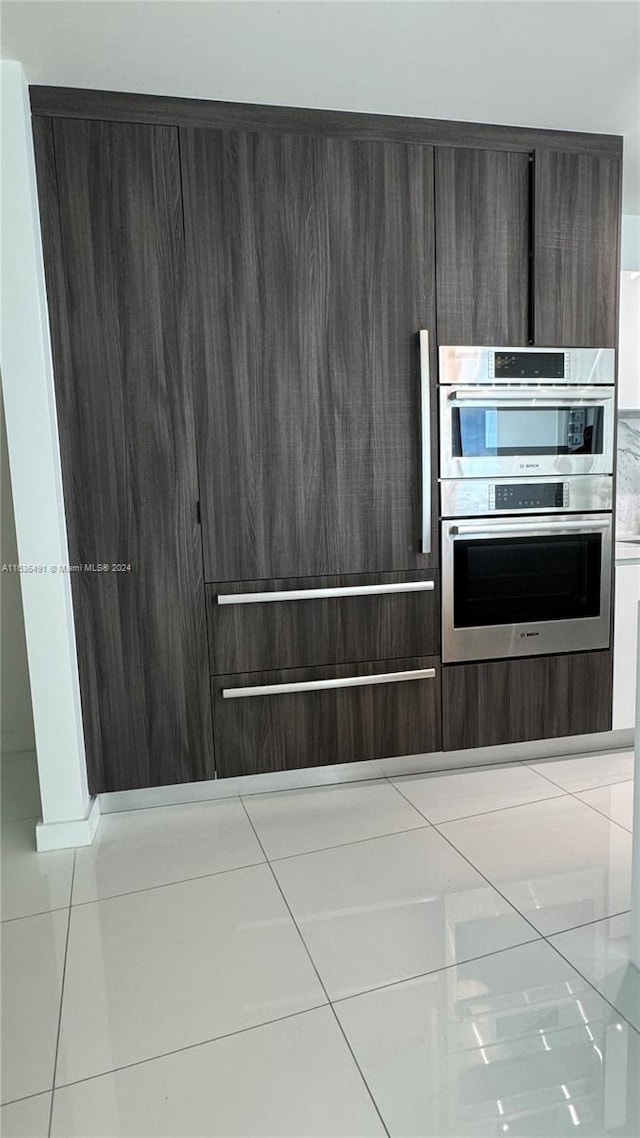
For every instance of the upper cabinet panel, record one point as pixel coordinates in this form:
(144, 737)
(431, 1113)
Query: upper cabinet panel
(577, 223)
(482, 246)
(114, 254)
(312, 270)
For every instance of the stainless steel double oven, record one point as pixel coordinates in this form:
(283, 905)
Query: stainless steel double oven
(526, 466)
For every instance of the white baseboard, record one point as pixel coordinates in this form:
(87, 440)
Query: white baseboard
(71, 833)
(358, 772)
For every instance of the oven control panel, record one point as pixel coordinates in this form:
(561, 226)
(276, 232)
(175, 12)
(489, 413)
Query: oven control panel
(532, 366)
(528, 495)
(486, 497)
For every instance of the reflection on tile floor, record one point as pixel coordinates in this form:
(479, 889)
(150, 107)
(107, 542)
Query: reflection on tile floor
(408, 964)
(558, 862)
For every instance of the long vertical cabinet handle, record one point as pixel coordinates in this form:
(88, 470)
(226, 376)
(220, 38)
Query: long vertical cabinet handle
(425, 411)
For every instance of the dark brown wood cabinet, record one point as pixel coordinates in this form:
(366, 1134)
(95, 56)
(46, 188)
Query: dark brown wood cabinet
(510, 701)
(235, 297)
(482, 246)
(111, 216)
(312, 272)
(283, 730)
(576, 249)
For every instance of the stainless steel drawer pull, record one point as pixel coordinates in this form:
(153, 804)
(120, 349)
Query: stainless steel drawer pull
(323, 594)
(323, 685)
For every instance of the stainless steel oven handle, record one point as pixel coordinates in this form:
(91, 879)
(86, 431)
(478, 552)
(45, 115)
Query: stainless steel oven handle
(425, 412)
(324, 594)
(529, 527)
(528, 397)
(323, 685)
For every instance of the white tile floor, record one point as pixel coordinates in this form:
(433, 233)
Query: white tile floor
(442, 956)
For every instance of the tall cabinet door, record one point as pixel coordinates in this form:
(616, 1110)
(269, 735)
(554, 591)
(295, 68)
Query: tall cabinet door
(114, 252)
(577, 204)
(482, 246)
(312, 265)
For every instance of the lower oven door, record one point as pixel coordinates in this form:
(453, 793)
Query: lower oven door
(518, 587)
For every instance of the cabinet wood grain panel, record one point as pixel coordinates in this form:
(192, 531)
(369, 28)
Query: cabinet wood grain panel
(312, 270)
(340, 725)
(576, 258)
(114, 253)
(482, 246)
(294, 634)
(510, 701)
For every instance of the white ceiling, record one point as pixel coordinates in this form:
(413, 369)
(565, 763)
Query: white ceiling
(550, 63)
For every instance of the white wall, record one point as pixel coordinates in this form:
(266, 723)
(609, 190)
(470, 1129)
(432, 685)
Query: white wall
(571, 66)
(15, 693)
(630, 243)
(34, 458)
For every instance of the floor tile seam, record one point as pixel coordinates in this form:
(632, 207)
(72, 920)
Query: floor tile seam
(166, 884)
(421, 825)
(433, 971)
(576, 794)
(576, 790)
(585, 924)
(187, 1047)
(25, 1098)
(315, 969)
(29, 916)
(62, 986)
(589, 982)
(498, 809)
(488, 881)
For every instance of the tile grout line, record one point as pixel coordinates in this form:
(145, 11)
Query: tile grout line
(586, 790)
(600, 812)
(29, 916)
(483, 875)
(578, 790)
(64, 974)
(422, 825)
(481, 813)
(543, 936)
(320, 981)
(177, 1050)
(164, 885)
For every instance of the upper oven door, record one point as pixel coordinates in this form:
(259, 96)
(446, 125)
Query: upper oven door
(523, 587)
(518, 431)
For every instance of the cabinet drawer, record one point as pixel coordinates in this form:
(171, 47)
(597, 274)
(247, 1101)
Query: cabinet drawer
(511, 701)
(319, 626)
(306, 717)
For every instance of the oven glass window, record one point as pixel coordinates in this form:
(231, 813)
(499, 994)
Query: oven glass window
(480, 432)
(514, 580)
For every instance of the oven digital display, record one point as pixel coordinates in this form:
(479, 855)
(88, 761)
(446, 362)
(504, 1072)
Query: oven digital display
(529, 365)
(528, 495)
